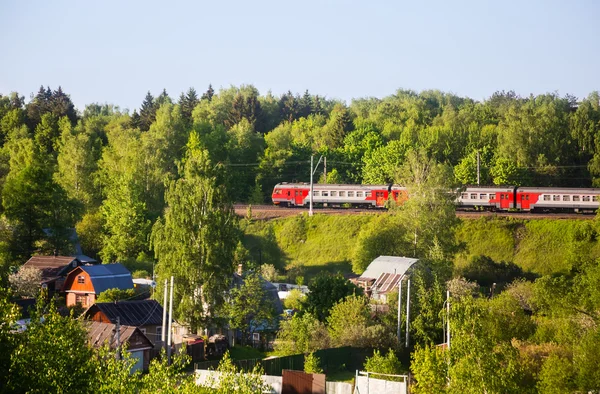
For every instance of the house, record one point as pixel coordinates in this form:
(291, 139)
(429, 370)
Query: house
(147, 315)
(383, 274)
(54, 269)
(138, 344)
(86, 282)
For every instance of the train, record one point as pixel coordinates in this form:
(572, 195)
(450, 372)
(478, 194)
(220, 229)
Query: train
(484, 198)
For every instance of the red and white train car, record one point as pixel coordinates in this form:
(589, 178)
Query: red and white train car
(487, 198)
(335, 195)
(557, 199)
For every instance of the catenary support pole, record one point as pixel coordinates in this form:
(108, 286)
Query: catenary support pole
(325, 169)
(407, 312)
(170, 324)
(448, 317)
(118, 339)
(310, 197)
(399, 308)
(164, 324)
(477, 167)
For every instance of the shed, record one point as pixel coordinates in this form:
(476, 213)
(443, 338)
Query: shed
(85, 283)
(383, 275)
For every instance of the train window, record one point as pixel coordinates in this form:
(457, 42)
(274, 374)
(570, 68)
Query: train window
(483, 196)
(555, 198)
(368, 194)
(566, 198)
(502, 196)
(359, 194)
(473, 196)
(288, 193)
(325, 194)
(546, 197)
(396, 195)
(527, 197)
(334, 193)
(316, 193)
(586, 198)
(594, 198)
(350, 194)
(464, 196)
(342, 194)
(575, 198)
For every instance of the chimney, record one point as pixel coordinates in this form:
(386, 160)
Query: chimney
(240, 269)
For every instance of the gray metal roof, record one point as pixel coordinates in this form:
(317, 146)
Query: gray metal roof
(388, 265)
(130, 313)
(108, 276)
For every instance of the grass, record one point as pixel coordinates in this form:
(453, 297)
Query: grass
(245, 353)
(341, 376)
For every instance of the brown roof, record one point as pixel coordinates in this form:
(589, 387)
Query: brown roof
(101, 333)
(51, 266)
(133, 313)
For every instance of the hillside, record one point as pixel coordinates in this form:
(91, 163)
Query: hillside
(307, 245)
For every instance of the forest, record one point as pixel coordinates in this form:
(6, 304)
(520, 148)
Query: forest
(62, 167)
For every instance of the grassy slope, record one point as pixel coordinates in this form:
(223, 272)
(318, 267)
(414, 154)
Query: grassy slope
(325, 242)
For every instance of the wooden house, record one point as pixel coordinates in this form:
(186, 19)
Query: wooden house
(85, 283)
(53, 269)
(138, 345)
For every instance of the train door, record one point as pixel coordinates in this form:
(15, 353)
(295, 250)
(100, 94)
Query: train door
(298, 197)
(505, 200)
(523, 201)
(380, 199)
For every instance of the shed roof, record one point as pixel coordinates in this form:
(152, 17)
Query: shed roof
(101, 333)
(387, 265)
(52, 266)
(130, 313)
(108, 276)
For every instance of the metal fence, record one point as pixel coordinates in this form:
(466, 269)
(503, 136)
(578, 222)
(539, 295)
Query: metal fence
(333, 359)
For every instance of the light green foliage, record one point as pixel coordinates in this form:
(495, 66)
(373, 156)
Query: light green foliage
(465, 172)
(141, 274)
(387, 364)
(429, 215)
(556, 376)
(429, 367)
(230, 380)
(428, 300)
(248, 306)
(9, 314)
(112, 375)
(312, 363)
(505, 172)
(269, 272)
(26, 282)
(52, 355)
(301, 334)
(325, 291)
(113, 295)
(381, 164)
(196, 240)
(348, 320)
(294, 300)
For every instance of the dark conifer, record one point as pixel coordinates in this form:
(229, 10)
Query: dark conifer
(163, 98)
(135, 119)
(288, 107)
(147, 112)
(61, 105)
(208, 95)
(188, 102)
(305, 105)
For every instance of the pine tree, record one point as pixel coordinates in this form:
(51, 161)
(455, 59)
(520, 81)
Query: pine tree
(61, 105)
(305, 105)
(188, 102)
(135, 119)
(147, 112)
(163, 98)
(208, 95)
(288, 106)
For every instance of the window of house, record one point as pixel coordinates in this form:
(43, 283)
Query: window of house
(575, 198)
(566, 198)
(586, 198)
(473, 196)
(555, 197)
(334, 193)
(81, 279)
(546, 198)
(359, 194)
(81, 299)
(255, 336)
(143, 330)
(342, 194)
(325, 194)
(350, 194)
(464, 196)
(158, 333)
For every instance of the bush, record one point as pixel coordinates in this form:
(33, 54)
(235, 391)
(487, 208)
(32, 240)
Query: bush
(387, 364)
(312, 364)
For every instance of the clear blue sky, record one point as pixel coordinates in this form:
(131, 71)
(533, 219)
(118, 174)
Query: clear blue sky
(115, 51)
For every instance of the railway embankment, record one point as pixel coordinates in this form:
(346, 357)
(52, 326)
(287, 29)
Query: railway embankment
(303, 246)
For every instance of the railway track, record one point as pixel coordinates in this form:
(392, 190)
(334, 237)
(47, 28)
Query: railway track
(271, 212)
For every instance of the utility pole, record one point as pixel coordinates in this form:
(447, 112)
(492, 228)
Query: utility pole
(407, 311)
(325, 169)
(170, 324)
(312, 173)
(118, 339)
(164, 324)
(478, 167)
(399, 306)
(448, 317)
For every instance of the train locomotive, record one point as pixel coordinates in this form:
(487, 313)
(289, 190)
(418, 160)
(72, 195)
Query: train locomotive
(493, 198)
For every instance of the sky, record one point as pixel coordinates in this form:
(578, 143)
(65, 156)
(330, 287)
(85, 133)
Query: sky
(114, 51)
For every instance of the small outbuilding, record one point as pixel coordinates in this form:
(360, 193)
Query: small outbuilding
(383, 274)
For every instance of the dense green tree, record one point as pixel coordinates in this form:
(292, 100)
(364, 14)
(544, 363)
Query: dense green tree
(196, 239)
(325, 291)
(303, 333)
(116, 294)
(249, 307)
